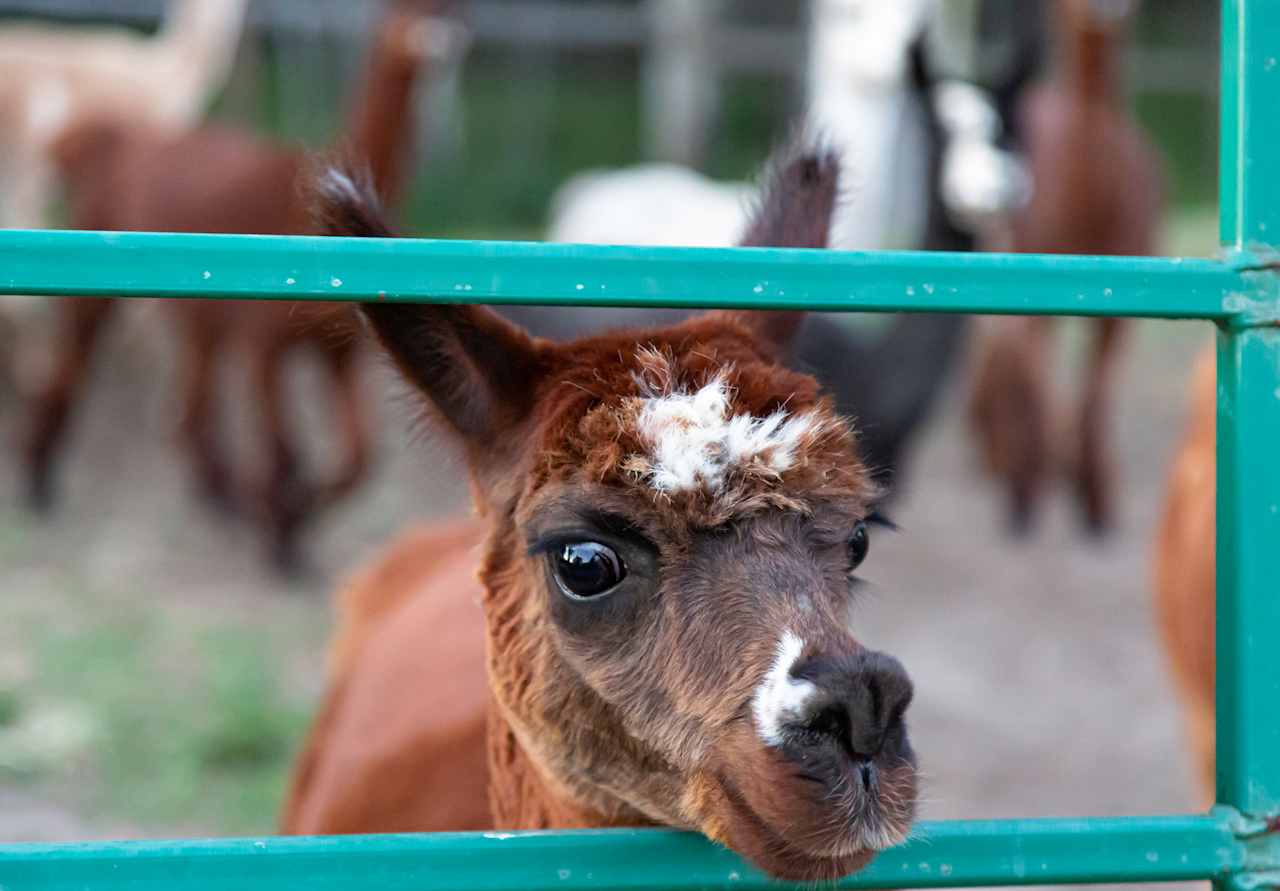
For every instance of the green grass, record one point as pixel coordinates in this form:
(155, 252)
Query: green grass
(171, 725)
(10, 708)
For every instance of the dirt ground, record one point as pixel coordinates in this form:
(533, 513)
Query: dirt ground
(1040, 686)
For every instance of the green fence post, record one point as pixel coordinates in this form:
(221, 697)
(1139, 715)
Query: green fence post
(1248, 583)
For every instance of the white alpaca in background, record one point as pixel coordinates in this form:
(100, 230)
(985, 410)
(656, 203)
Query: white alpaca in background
(53, 77)
(858, 99)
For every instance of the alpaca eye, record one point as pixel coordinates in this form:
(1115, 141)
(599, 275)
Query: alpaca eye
(859, 544)
(588, 569)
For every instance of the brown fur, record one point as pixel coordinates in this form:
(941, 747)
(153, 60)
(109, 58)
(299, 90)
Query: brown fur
(1184, 569)
(634, 708)
(221, 180)
(1097, 191)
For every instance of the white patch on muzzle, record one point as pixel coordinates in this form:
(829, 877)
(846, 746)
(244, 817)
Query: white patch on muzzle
(781, 699)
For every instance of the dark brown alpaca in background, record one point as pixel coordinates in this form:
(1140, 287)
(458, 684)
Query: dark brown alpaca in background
(223, 180)
(1097, 191)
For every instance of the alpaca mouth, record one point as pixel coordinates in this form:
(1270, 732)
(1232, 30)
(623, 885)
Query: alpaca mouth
(854, 828)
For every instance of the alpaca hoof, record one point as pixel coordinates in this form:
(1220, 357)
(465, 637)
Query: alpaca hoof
(287, 559)
(215, 494)
(39, 496)
(1021, 524)
(1097, 525)
(1022, 517)
(289, 509)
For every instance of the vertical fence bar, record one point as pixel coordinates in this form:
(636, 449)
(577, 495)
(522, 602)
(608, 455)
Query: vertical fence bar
(1248, 505)
(1248, 632)
(1248, 175)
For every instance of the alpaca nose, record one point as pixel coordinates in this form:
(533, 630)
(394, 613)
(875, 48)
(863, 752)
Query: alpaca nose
(859, 703)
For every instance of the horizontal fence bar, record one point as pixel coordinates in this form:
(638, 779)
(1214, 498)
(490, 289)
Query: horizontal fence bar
(308, 268)
(946, 854)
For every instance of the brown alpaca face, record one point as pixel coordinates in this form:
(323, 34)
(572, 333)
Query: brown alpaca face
(675, 521)
(689, 535)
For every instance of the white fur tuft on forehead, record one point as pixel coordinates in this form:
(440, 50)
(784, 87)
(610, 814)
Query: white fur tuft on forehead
(693, 441)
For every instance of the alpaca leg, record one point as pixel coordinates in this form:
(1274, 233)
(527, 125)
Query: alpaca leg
(81, 322)
(8, 351)
(198, 428)
(1031, 416)
(286, 498)
(26, 190)
(1095, 478)
(1009, 411)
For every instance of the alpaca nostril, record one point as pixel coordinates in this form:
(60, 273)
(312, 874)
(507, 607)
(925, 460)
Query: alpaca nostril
(833, 723)
(862, 705)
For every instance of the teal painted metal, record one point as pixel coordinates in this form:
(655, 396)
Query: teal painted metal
(1249, 199)
(1237, 845)
(265, 267)
(951, 854)
(1248, 518)
(1248, 679)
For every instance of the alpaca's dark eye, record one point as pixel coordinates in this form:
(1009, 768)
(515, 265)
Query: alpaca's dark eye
(588, 569)
(859, 543)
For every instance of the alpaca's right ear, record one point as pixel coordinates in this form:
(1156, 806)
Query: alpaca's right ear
(798, 200)
(477, 370)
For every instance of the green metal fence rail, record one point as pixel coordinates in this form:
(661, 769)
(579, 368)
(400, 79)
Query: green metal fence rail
(1237, 845)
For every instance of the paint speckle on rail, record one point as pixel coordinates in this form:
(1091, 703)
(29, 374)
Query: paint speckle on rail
(579, 287)
(564, 874)
(945, 869)
(291, 281)
(928, 289)
(1153, 857)
(734, 876)
(335, 282)
(499, 836)
(206, 275)
(1107, 292)
(911, 291)
(758, 289)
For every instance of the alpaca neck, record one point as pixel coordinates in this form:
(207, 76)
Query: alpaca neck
(196, 48)
(380, 124)
(520, 798)
(1093, 64)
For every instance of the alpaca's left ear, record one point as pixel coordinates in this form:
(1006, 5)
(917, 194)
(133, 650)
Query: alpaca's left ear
(477, 371)
(799, 196)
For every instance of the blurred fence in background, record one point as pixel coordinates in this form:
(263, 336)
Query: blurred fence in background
(554, 86)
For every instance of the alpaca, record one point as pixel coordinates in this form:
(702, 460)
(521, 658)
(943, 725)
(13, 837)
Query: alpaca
(52, 79)
(221, 180)
(1097, 190)
(669, 526)
(888, 381)
(1184, 568)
